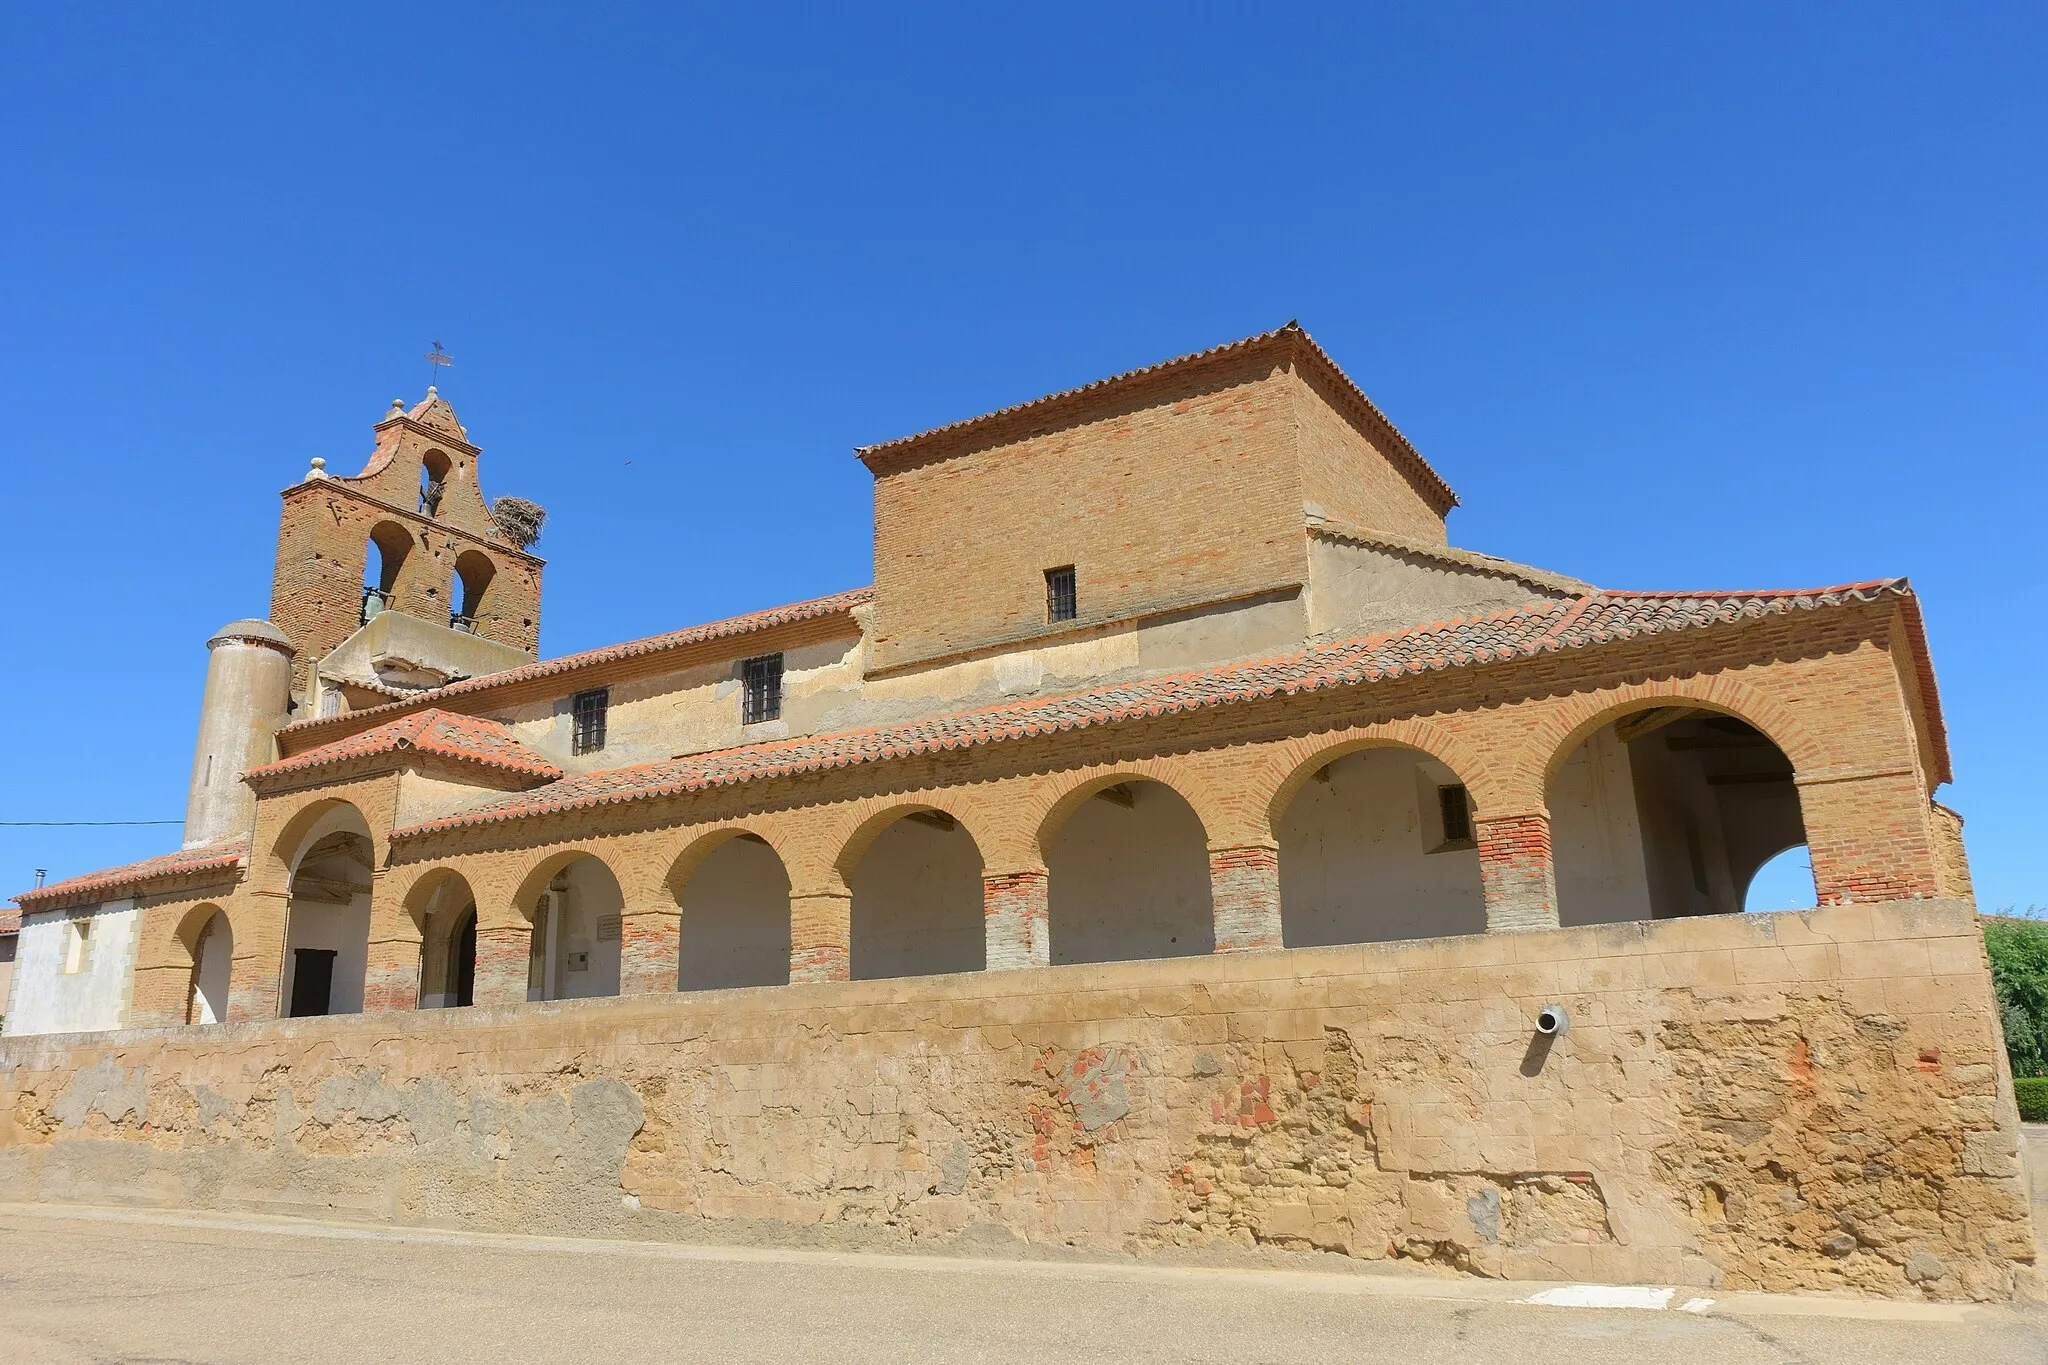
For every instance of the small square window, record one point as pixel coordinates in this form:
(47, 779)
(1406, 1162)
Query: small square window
(762, 700)
(1061, 601)
(588, 712)
(1456, 807)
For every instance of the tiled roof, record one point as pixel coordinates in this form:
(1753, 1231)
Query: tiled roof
(10, 920)
(812, 610)
(1577, 623)
(468, 739)
(1404, 452)
(99, 886)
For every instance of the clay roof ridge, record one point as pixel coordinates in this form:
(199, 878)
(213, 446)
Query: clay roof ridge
(469, 739)
(807, 610)
(1447, 644)
(1292, 330)
(164, 867)
(1448, 554)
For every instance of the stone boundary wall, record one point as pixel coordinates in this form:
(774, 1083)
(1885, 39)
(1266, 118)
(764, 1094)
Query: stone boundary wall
(1803, 1100)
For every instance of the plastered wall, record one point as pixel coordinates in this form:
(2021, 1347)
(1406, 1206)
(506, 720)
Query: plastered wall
(1804, 1100)
(49, 999)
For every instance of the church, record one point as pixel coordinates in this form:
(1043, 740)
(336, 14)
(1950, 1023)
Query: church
(1174, 664)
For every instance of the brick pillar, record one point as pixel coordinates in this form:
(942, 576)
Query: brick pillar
(650, 950)
(391, 975)
(1014, 917)
(391, 978)
(1872, 836)
(1244, 888)
(501, 963)
(1520, 885)
(255, 978)
(820, 929)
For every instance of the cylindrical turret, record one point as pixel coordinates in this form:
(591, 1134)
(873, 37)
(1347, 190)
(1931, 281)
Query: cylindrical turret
(248, 689)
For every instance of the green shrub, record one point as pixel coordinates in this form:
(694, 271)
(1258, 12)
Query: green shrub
(2018, 949)
(2033, 1093)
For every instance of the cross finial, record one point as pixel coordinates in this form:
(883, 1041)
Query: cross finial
(436, 357)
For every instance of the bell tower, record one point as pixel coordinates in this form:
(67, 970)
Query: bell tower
(410, 534)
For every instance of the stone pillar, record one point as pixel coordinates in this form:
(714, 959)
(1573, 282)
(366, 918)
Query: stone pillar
(1244, 889)
(820, 930)
(1519, 882)
(1014, 917)
(650, 950)
(502, 953)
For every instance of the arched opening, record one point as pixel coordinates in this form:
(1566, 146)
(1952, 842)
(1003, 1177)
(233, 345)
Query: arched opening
(445, 908)
(1378, 845)
(1668, 811)
(917, 903)
(213, 960)
(433, 482)
(577, 924)
(1784, 882)
(473, 574)
(1128, 878)
(735, 919)
(327, 924)
(385, 555)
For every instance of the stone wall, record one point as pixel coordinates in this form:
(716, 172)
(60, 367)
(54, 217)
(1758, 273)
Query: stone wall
(1803, 1100)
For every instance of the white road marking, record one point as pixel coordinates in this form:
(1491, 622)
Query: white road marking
(1604, 1296)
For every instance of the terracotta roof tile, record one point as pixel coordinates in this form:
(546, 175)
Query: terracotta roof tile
(811, 610)
(1404, 452)
(469, 739)
(168, 867)
(1525, 632)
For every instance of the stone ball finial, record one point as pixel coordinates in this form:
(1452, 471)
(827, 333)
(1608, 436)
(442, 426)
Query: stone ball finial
(319, 469)
(432, 392)
(397, 406)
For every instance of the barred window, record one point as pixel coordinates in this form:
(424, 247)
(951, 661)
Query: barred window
(1456, 806)
(1061, 603)
(762, 698)
(588, 710)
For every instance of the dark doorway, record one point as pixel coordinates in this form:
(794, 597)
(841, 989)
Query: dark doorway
(312, 981)
(464, 973)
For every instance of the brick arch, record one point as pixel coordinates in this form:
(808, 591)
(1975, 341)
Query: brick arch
(418, 897)
(1293, 763)
(871, 818)
(683, 865)
(541, 873)
(297, 835)
(1046, 816)
(1554, 739)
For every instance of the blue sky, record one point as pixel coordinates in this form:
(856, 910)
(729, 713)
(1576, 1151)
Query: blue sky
(1676, 297)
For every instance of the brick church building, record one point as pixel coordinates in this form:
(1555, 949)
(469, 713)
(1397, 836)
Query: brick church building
(1177, 663)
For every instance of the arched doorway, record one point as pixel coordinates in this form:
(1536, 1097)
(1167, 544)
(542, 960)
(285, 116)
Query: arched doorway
(1128, 878)
(327, 926)
(1665, 812)
(445, 909)
(213, 961)
(1378, 845)
(577, 924)
(735, 919)
(917, 902)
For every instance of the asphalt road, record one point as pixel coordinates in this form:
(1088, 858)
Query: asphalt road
(97, 1286)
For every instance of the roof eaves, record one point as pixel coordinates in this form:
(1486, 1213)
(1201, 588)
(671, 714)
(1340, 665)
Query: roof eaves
(165, 869)
(1320, 668)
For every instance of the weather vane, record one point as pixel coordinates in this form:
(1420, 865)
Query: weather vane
(437, 356)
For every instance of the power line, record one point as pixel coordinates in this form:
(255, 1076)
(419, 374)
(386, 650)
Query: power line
(73, 824)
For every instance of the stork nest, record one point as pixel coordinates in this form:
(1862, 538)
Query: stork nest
(519, 520)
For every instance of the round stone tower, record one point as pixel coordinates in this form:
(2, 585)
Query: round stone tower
(248, 689)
